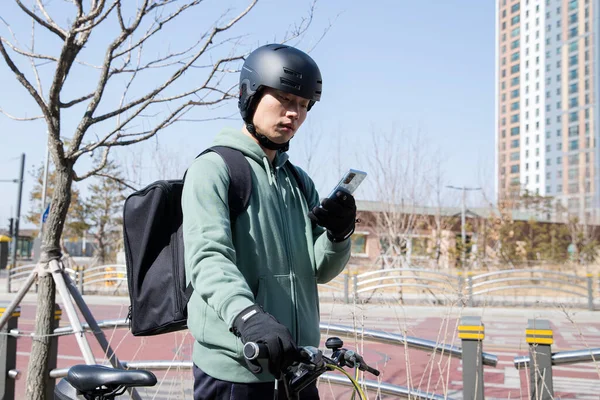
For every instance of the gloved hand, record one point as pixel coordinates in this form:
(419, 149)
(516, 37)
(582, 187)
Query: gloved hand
(255, 325)
(337, 215)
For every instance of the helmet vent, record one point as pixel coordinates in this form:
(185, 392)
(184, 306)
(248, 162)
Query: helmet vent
(292, 72)
(292, 84)
(279, 48)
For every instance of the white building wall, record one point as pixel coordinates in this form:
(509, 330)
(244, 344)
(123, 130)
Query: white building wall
(533, 86)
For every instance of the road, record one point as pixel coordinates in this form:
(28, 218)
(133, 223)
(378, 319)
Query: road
(504, 337)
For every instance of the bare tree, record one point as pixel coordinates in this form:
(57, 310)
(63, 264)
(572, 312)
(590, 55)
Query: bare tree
(399, 167)
(104, 212)
(115, 74)
(439, 222)
(585, 240)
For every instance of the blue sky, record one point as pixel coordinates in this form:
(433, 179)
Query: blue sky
(418, 66)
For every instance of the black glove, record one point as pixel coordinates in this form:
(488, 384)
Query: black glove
(337, 215)
(255, 325)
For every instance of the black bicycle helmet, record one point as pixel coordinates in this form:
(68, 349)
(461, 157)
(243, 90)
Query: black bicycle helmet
(279, 67)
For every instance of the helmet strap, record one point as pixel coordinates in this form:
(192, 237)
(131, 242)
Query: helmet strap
(265, 141)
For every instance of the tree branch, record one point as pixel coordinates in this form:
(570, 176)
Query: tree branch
(79, 8)
(169, 120)
(27, 54)
(179, 72)
(104, 76)
(33, 66)
(94, 171)
(23, 80)
(76, 101)
(160, 25)
(51, 26)
(121, 126)
(46, 15)
(89, 27)
(118, 180)
(303, 26)
(21, 118)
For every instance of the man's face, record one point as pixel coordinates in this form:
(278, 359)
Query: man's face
(279, 114)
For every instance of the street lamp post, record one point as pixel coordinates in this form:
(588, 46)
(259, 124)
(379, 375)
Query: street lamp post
(16, 220)
(463, 212)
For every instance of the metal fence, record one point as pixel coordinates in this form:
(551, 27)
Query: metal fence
(522, 287)
(102, 279)
(10, 333)
(471, 332)
(499, 288)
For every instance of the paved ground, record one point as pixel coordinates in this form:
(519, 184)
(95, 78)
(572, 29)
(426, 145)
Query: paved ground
(504, 328)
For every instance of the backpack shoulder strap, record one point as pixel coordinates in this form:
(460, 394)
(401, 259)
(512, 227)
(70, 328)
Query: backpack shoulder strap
(301, 185)
(299, 180)
(240, 178)
(240, 186)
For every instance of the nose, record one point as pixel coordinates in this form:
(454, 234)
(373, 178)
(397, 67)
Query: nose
(293, 110)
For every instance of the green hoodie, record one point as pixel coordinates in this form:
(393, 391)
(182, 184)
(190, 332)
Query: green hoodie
(271, 255)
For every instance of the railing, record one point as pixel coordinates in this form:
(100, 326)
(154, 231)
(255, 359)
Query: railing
(471, 332)
(407, 285)
(526, 283)
(564, 357)
(102, 279)
(507, 287)
(10, 334)
(540, 337)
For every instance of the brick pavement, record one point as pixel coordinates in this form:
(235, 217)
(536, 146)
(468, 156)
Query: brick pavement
(505, 337)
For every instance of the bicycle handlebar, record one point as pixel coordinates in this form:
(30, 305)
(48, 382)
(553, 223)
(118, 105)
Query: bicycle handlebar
(255, 351)
(313, 363)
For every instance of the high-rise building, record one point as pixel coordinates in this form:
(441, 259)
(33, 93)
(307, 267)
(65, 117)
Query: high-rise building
(547, 110)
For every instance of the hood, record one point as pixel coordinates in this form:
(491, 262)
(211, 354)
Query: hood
(236, 139)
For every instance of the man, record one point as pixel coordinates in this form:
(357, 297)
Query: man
(255, 280)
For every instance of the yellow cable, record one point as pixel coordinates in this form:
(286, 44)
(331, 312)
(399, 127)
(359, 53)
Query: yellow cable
(356, 379)
(354, 382)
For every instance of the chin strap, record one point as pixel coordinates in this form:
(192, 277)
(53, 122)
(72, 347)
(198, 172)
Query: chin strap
(265, 141)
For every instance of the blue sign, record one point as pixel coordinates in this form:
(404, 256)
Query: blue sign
(45, 215)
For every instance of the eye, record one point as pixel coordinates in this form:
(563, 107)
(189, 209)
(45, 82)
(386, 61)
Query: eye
(283, 97)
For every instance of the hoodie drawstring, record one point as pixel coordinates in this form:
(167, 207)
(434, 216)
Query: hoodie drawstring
(269, 171)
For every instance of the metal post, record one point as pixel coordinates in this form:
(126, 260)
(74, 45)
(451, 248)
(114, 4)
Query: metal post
(461, 284)
(17, 216)
(355, 284)
(44, 188)
(346, 287)
(53, 353)
(463, 235)
(80, 277)
(590, 288)
(470, 287)
(8, 354)
(472, 332)
(540, 338)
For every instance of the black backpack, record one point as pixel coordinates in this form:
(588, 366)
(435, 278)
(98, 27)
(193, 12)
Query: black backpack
(153, 239)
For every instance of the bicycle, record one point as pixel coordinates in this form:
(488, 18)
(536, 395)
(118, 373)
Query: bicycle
(98, 382)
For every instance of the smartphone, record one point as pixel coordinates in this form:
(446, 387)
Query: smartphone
(349, 182)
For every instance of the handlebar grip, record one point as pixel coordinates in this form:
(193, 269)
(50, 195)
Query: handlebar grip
(255, 351)
(372, 370)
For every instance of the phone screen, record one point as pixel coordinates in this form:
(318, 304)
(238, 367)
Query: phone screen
(349, 182)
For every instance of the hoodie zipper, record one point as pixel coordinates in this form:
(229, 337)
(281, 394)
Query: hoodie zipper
(286, 234)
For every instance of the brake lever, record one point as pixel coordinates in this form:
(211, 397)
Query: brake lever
(357, 359)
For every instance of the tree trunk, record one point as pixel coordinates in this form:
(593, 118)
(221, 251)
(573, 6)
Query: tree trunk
(37, 371)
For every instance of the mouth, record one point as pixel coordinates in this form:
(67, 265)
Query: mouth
(287, 127)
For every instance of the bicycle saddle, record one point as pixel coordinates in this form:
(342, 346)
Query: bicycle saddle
(89, 377)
